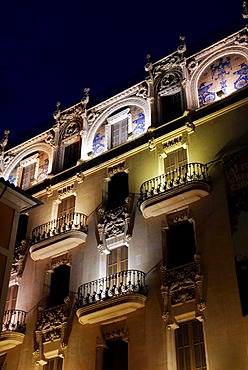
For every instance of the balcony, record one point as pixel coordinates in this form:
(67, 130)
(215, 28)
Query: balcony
(182, 290)
(110, 297)
(50, 331)
(174, 190)
(13, 329)
(58, 236)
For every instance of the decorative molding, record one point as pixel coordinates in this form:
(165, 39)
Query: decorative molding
(179, 286)
(66, 191)
(120, 167)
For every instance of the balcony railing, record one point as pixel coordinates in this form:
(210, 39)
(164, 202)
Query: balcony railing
(69, 222)
(191, 172)
(14, 321)
(118, 284)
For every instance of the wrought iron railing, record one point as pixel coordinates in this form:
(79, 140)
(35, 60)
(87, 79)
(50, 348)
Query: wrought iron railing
(120, 283)
(181, 176)
(68, 222)
(14, 320)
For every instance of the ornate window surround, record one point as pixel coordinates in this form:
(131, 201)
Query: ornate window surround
(87, 140)
(27, 152)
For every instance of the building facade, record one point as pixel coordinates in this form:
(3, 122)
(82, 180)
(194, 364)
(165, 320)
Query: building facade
(136, 257)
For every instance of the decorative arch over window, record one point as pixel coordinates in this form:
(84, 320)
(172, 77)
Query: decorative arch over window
(133, 112)
(220, 75)
(70, 148)
(170, 96)
(36, 161)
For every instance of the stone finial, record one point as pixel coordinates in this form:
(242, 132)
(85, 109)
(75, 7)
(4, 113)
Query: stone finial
(4, 141)
(56, 114)
(85, 98)
(149, 64)
(245, 11)
(182, 46)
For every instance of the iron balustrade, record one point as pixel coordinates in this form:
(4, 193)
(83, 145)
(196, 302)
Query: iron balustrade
(14, 320)
(114, 285)
(68, 222)
(180, 176)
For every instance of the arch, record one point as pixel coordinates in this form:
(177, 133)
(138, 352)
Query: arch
(228, 51)
(43, 147)
(136, 101)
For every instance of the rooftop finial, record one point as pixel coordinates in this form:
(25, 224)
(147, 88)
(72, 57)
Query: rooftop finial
(56, 114)
(4, 141)
(245, 11)
(182, 46)
(149, 65)
(85, 98)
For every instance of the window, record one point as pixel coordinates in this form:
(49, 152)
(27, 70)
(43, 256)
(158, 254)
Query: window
(22, 229)
(11, 297)
(172, 106)
(59, 287)
(71, 155)
(180, 244)
(175, 159)
(118, 127)
(54, 364)
(117, 260)
(119, 133)
(115, 355)
(117, 190)
(28, 175)
(190, 349)
(66, 206)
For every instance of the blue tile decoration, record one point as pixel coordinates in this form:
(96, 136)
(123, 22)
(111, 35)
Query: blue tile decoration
(226, 74)
(98, 144)
(139, 125)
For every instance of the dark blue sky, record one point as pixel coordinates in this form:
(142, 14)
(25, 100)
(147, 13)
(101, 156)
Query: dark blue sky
(51, 50)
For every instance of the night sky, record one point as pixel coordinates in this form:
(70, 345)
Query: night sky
(51, 50)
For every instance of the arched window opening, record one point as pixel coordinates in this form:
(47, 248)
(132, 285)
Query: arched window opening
(172, 106)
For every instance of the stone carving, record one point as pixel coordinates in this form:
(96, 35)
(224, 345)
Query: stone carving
(66, 191)
(171, 81)
(18, 260)
(181, 285)
(4, 142)
(116, 334)
(52, 322)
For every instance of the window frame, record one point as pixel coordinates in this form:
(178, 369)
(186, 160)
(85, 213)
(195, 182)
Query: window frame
(191, 345)
(116, 119)
(120, 263)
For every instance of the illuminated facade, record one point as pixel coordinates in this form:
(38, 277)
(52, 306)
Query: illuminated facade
(136, 257)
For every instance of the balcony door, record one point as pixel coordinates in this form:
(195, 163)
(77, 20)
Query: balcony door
(180, 244)
(115, 355)
(117, 260)
(59, 287)
(175, 159)
(117, 190)
(66, 206)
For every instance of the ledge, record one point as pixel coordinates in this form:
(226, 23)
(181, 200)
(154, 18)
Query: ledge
(174, 199)
(110, 309)
(9, 340)
(57, 244)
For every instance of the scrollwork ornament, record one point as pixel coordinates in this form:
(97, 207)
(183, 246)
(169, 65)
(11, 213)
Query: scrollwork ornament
(192, 66)
(242, 38)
